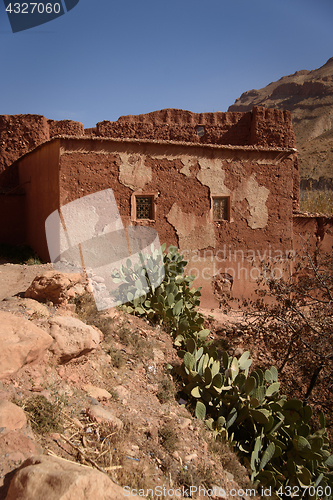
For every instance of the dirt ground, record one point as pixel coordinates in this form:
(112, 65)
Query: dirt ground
(159, 442)
(15, 278)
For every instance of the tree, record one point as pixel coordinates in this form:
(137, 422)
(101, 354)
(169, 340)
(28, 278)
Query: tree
(299, 305)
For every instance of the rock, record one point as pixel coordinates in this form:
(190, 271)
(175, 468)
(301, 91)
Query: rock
(79, 289)
(53, 286)
(11, 416)
(21, 342)
(99, 414)
(184, 423)
(72, 337)
(238, 352)
(122, 392)
(32, 306)
(98, 279)
(158, 356)
(218, 492)
(17, 445)
(41, 477)
(96, 392)
(229, 476)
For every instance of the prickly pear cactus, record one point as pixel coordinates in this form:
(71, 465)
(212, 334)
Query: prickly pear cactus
(173, 303)
(272, 433)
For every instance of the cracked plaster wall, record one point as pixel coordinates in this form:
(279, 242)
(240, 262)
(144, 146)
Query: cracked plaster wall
(192, 231)
(256, 196)
(213, 175)
(133, 172)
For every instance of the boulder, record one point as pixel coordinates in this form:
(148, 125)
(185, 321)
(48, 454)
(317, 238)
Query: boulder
(55, 287)
(96, 392)
(21, 342)
(11, 416)
(34, 307)
(72, 337)
(41, 477)
(17, 445)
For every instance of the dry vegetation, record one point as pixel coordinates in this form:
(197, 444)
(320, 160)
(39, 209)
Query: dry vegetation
(315, 201)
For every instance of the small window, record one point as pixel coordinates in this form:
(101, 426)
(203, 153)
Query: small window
(201, 131)
(144, 207)
(221, 208)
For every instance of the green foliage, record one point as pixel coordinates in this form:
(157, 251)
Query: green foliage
(271, 432)
(173, 303)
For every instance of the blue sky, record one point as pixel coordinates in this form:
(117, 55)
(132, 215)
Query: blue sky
(105, 58)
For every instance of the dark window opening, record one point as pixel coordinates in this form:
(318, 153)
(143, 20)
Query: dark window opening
(144, 207)
(221, 208)
(201, 131)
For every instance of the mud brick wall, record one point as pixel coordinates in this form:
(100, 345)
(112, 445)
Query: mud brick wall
(22, 133)
(18, 135)
(272, 127)
(260, 186)
(65, 127)
(261, 127)
(313, 232)
(181, 126)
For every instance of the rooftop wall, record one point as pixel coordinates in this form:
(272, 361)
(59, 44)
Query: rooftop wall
(22, 133)
(260, 127)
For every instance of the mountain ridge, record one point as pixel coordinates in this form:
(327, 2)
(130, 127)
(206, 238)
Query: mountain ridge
(308, 95)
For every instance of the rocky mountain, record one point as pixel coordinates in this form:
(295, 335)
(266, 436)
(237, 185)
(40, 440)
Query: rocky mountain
(309, 97)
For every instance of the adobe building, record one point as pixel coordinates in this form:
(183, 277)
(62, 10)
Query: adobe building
(222, 187)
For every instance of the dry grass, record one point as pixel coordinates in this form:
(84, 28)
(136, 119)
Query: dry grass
(230, 462)
(105, 448)
(140, 346)
(315, 201)
(168, 437)
(166, 389)
(44, 416)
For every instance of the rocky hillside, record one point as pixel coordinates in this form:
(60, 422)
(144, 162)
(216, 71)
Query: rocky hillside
(87, 407)
(309, 97)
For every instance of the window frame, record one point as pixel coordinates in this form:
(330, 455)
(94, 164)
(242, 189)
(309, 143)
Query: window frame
(219, 196)
(140, 194)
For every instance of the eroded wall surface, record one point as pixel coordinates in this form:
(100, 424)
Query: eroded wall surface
(22, 133)
(258, 127)
(183, 178)
(313, 233)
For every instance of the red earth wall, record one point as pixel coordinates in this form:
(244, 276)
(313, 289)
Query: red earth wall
(170, 170)
(313, 232)
(22, 133)
(260, 127)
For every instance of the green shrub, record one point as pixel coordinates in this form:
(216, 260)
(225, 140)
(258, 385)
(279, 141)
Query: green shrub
(173, 303)
(272, 433)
